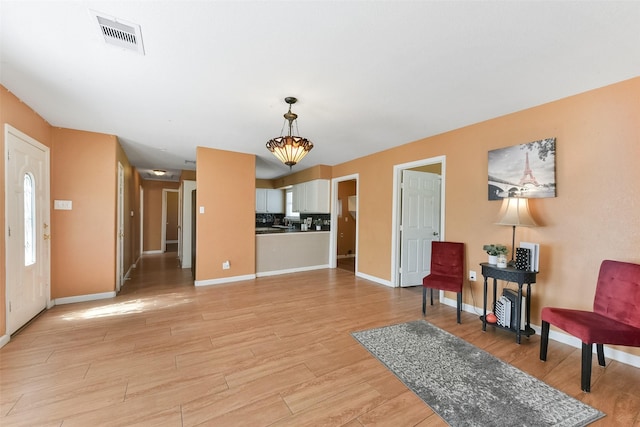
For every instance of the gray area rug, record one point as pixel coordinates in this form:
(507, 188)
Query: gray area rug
(467, 386)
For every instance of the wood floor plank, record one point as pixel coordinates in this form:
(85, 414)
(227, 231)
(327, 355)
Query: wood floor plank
(202, 409)
(247, 371)
(259, 413)
(275, 351)
(61, 401)
(139, 412)
(345, 406)
(309, 393)
(402, 410)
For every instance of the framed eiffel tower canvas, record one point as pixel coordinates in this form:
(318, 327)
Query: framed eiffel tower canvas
(524, 170)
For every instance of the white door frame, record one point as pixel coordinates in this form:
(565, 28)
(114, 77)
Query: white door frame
(141, 210)
(44, 221)
(120, 229)
(187, 223)
(333, 239)
(396, 217)
(163, 242)
(180, 221)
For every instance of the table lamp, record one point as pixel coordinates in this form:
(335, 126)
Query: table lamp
(516, 214)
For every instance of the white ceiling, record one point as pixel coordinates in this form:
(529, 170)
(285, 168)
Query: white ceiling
(368, 75)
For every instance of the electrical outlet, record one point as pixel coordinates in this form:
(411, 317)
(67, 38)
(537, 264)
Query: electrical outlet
(225, 265)
(472, 275)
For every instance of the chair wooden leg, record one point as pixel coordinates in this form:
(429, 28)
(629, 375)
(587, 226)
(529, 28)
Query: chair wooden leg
(586, 367)
(424, 301)
(544, 340)
(431, 290)
(600, 350)
(459, 305)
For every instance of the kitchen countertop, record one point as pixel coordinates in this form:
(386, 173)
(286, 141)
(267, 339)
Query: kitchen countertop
(279, 230)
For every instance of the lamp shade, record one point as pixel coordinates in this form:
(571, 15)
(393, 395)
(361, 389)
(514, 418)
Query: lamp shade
(289, 149)
(515, 212)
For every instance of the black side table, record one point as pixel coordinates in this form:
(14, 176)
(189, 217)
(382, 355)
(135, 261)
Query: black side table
(520, 277)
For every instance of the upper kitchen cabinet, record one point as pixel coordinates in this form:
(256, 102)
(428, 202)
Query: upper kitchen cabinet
(269, 201)
(311, 197)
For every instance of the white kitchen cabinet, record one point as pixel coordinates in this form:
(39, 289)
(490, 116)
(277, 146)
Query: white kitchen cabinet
(269, 201)
(311, 197)
(297, 197)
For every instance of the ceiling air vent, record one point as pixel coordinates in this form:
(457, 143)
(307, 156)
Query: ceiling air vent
(120, 33)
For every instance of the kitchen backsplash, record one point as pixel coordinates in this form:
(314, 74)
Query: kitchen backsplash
(268, 220)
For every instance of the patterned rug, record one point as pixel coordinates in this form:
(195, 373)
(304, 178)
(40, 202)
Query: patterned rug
(467, 386)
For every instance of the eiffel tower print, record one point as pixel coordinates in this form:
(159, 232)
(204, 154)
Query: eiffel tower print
(527, 176)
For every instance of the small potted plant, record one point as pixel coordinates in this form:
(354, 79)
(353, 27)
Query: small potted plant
(493, 251)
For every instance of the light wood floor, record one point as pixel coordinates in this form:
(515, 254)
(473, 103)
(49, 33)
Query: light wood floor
(273, 351)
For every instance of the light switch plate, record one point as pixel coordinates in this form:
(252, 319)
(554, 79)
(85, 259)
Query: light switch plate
(62, 205)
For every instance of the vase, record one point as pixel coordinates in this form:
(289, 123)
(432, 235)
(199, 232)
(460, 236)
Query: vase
(493, 259)
(502, 261)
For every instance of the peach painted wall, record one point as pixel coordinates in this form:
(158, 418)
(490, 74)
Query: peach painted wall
(304, 175)
(22, 117)
(188, 175)
(83, 170)
(226, 229)
(152, 221)
(595, 215)
(264, 183)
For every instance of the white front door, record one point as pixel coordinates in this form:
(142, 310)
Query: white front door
(420, 224)
(28, 232)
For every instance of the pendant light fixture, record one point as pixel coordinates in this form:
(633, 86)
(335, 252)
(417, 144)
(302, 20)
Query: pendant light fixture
(290, 149)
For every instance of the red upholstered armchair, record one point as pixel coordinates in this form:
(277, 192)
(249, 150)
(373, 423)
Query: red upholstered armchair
(447, 272)
(615, 318)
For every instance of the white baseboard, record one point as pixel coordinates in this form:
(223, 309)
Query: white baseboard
(291, 270)
(84, 298)
(4, 340)
(223, 280)
(153, 252)
(375, 279)
(345, 256)
(127, 276)
(611, 353)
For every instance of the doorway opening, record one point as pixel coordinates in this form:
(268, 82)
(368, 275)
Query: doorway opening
(418, 218)
(170, 208)
(343, 245)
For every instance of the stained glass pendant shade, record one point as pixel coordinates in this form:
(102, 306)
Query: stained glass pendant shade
(290, 149)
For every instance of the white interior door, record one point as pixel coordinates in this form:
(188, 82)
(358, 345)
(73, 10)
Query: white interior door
(420, 224)
(28, 232)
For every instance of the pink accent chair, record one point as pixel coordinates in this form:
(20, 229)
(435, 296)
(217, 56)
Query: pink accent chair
(447, 272)
(615, 318)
